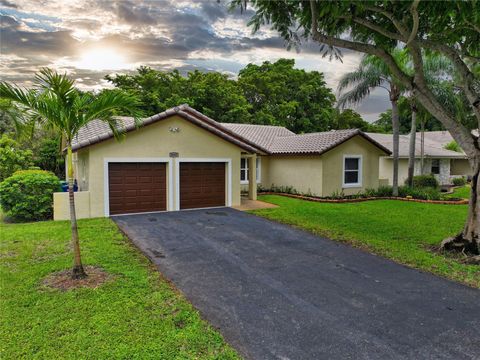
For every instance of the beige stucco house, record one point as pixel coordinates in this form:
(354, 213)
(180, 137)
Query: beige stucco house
(181, 159)
(442, 163)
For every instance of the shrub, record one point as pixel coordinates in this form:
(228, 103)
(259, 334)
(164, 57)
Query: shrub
(283, 189)
(424, 181)
(426, 193)
(460, 181)
(28, 195)
(48, 157)
(370, 192)
(384, 191)
(12, 157)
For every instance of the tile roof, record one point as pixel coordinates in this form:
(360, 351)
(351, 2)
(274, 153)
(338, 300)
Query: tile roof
(432, 148)
(315, 143)
(253, 138)
(97, 130)
(262, 135)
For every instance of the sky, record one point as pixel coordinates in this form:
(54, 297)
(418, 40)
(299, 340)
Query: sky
(89, 39)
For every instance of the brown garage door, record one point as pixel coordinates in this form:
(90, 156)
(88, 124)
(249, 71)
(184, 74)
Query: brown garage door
(202, 184)
(137, 187)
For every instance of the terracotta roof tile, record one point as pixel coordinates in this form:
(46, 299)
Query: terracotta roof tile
(97, 130)
(254, 138)
(262, 135)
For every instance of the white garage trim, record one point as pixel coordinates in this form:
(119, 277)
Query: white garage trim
(177, 176)
(106, 161)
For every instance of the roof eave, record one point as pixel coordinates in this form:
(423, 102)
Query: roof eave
(185, 112)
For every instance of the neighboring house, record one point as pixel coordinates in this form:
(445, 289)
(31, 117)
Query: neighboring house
(181, 159)
(442, 163)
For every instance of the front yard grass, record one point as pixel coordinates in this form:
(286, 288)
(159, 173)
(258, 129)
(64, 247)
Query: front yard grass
(136, 315)
(462, 192)
(405, 232)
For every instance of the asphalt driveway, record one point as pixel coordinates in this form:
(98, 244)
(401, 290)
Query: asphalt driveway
(276, 292)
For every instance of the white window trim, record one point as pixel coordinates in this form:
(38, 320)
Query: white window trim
(106, 161)
(244, 182)
(228, 201)
(259, 171)
(360, 171)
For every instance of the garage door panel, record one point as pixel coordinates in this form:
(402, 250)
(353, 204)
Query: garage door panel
(202, 184)
(137, 187)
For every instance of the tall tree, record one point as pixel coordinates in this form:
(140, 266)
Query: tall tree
(211, 93)
(269, 94)
(350, 119)
(377, 28)
(412, 143)
(55, 103)
(282, 95)
(372, 73)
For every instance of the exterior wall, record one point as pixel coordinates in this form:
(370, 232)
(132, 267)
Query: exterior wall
(333, 166)
(460, 167)
(386, 170)
(61, 205)
(449, 168)
(303, 173)
(155, 141)
(81, 166)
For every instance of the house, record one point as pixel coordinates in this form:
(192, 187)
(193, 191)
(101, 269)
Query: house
(181, 159)
(442, 163)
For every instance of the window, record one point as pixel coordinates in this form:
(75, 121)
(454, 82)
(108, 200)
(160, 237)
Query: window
(435, 166)
(244, 170)
(352, 171)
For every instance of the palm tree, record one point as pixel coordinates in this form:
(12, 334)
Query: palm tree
(374, 73)
(56, 104)
(436, 69)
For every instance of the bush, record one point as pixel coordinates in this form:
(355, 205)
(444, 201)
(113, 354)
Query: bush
(28, 195)
(426, 193)
(459, 181)
(12, 157)
(48, 157)
(425, 181)
(384, 191)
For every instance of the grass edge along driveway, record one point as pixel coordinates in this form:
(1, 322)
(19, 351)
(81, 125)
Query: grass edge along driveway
(405, 232)
(135, 315)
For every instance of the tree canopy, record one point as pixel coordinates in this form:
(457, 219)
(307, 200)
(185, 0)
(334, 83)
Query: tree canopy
(282, 95)
(211, 93)
(271, 93)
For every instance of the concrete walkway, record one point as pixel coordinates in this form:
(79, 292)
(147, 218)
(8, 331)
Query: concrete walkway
(247, 205)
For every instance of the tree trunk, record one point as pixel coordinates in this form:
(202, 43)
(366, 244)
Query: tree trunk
(411, 150)
(422, 147)
(469, 239)
(396, 140)
(78, 271)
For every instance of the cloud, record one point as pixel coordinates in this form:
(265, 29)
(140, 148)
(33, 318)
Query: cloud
(8, 4)
(187, 35)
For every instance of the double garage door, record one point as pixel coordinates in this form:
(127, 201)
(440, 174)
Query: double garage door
(142, 187)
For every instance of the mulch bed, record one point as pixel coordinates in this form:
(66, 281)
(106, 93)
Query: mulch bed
(62, 280)
(323, 200)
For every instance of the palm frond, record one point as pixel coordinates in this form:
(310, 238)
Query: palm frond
(361, 83)
(110, 104)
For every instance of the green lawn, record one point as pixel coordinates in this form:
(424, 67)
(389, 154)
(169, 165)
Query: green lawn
(402, 231)
(137, 315)
(460, 193)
